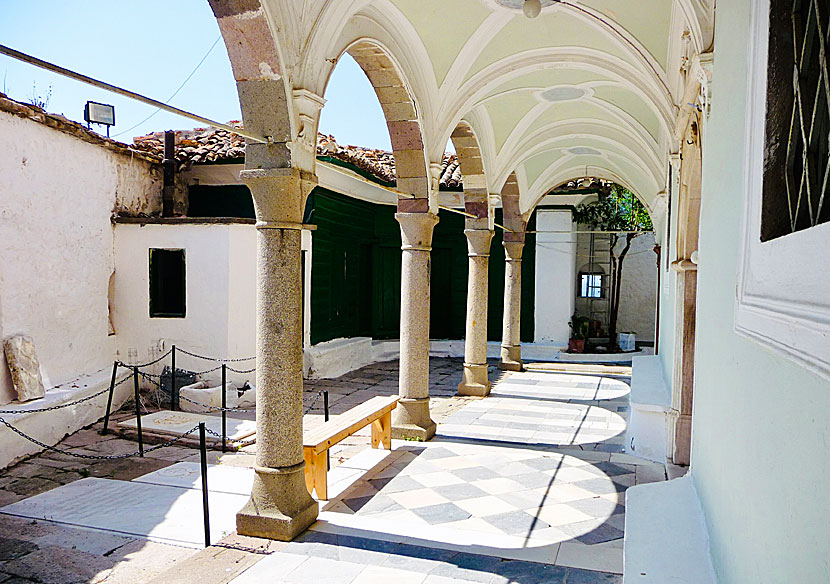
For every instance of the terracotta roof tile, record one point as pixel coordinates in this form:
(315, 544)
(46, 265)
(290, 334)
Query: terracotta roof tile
(205, 145)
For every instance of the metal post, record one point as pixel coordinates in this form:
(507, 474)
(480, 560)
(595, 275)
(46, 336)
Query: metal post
(109, 399)
(138, 412)
(174, 398)
(326, 419)
(205, 507)
(224, 408)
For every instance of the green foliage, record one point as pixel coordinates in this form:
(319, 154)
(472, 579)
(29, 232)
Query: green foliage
(616, 209)
(580, 326)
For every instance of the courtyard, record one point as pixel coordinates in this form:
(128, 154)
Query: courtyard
(525, 486)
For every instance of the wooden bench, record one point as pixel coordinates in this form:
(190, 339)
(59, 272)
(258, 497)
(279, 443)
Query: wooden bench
(376, 411)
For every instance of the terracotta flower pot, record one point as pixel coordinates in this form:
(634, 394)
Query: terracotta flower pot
(576, 345)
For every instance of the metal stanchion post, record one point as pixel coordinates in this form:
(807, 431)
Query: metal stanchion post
(174, 397)
(109, 399)
(224, 408)
(326, 419)
(138, 412)
(205, 508)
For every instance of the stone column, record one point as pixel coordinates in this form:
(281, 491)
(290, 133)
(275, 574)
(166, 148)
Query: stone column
(280, 506)
(475, 380)
(411, 418)
(511, 344)
(680, 416)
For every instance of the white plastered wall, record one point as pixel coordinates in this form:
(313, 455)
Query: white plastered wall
(57, 194)
(555, 267)
(638, 297)
(220, 281)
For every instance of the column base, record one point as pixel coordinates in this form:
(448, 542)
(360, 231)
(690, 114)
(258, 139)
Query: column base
(411, 420)
(474, 382)
(679, 447)
(511, 358)
(280, 506)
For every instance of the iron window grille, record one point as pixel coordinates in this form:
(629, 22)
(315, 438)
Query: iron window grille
(797, 144)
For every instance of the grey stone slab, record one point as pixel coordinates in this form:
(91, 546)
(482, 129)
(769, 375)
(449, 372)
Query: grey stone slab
(597, 507)
(475, 473)
(600, 486)
(544, 463)
(156, 512)
(396, 484)
(442, 513)
(56, 565)
(436, 453)
(516, 522)
(24, 367)
(468, 568)
(533, 480)
(460, 492)
(11, 549)
(523, 499)
(578, 576)
(588, 533)
(519, 572)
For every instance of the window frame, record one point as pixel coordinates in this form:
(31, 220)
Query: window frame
(600, 287)
(782, 299)
(159, 314)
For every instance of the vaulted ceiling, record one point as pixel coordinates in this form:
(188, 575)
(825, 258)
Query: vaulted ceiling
(588, 88)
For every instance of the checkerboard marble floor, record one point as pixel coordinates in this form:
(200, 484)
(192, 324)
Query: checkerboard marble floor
(527, 485)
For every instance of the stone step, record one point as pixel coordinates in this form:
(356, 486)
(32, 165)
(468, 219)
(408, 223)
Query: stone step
(350, 559)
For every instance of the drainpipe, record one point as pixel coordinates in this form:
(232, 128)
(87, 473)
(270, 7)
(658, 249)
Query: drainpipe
(169, 166)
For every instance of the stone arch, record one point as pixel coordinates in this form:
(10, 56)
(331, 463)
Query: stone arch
(476, 196)
(254, 54)
(401, 115)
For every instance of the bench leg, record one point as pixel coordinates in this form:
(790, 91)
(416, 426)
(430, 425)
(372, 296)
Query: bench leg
(320, 468)
(382, 431)
(316, 473)
(308, 456)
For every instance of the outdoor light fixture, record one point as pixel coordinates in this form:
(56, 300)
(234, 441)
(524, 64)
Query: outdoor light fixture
(99, 113)
(532, 8)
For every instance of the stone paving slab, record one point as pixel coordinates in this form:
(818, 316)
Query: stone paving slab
(159, 513)
(350, 559)
(176, 423)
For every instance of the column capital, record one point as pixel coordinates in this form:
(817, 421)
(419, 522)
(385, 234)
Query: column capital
(478, 242)
(279, 194)
(416, 230)
(513, 250)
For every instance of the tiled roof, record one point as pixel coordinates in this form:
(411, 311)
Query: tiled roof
(206, 145)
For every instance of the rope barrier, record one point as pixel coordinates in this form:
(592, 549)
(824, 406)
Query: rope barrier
(98, 457)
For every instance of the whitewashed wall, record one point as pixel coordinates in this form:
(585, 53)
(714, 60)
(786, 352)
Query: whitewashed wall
(555, 283)
(220, 280)
(57, 193)
(638, 293)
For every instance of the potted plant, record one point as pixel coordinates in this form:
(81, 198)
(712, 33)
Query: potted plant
(579, 332)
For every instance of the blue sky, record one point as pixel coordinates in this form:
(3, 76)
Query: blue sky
(150, 47)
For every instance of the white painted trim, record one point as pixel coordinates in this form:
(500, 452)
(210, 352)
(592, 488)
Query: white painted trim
(782, 294)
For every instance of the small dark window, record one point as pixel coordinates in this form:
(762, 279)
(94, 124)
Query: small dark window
(167, 283)
(796, 146)
(590, 286)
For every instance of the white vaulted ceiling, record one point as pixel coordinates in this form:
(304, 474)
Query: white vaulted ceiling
(590, 87)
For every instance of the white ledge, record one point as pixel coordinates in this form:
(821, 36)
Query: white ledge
(665, 535)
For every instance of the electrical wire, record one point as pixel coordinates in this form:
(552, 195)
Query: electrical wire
(192, 73)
